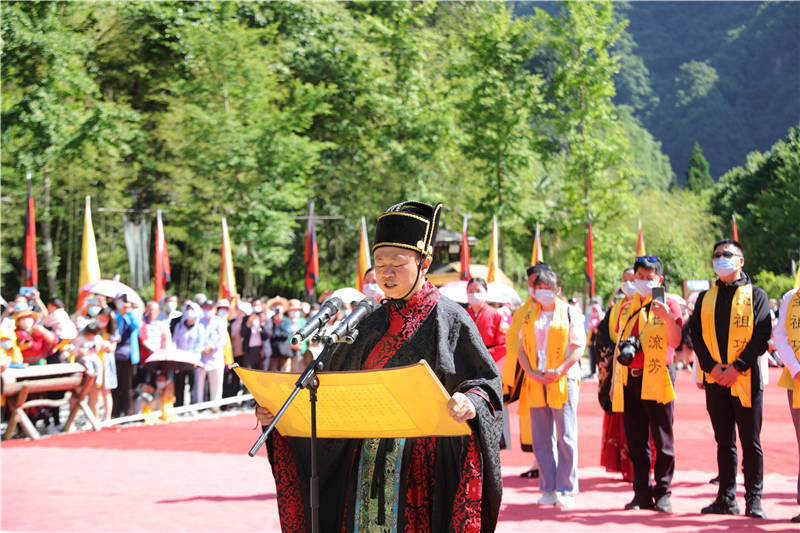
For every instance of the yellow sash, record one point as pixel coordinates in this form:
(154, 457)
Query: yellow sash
(739, 334)
(620, 376)
(557, 340)
(793, 333)
(509, 372)
(656, 384)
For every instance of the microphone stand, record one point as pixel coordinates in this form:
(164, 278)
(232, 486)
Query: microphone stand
(308, 379)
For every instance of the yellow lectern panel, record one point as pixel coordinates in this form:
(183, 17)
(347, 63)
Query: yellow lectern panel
(398, 402)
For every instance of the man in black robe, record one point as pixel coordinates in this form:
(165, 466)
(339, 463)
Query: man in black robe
(412, 484)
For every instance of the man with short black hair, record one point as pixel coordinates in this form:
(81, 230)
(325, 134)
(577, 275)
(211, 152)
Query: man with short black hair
(730, 328)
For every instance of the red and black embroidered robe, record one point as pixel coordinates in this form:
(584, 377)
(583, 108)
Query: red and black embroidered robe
(446, 483)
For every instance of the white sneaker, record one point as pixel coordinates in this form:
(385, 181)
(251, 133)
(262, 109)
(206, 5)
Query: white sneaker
(565, 501)
(549, 498)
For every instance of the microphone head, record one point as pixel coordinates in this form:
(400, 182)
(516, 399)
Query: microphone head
(370, 303)
(334, 303)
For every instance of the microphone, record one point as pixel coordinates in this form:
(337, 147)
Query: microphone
(329, 308)
(347, 327)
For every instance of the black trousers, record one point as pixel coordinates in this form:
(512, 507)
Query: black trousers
(180, 386)
(643, 418)
(727, 415)
(124, 392)
(231, 383)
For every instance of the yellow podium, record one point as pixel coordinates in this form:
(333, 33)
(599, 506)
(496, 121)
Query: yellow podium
(406, 401)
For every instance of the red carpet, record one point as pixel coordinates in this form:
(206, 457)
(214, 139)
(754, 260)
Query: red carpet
(197, 476)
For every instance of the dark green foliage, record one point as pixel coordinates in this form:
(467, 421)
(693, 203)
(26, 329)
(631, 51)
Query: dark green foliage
(698, 177)
(724, 74)
(764, 194)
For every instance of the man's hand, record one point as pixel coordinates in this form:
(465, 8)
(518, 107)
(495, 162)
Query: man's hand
(797, 375)
(717, 371)
(729, 376)
(661, 311)
(461, 407)
(264, 416)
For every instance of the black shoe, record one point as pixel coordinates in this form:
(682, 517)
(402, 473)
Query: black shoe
(533, 473)
(796, 518)
(663, 504)
(640, 502)
(721, 506)
(714, 480)
(753, 508)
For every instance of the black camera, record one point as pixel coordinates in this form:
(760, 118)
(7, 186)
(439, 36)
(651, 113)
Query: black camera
(627, 350)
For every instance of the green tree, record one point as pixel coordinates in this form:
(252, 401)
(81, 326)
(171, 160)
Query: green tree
(698, 177)
(764, 194)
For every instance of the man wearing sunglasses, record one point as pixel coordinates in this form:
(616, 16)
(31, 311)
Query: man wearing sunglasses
(730, 328)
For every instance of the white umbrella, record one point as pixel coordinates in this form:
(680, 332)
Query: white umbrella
(500, 293)
(455, 290)
(112, 288)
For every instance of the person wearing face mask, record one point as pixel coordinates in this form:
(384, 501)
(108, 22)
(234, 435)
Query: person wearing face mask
(10, 355)
(169, 309)
(281, 360)
(370, 286)
(515, 380)
(730, 328)
(213, 356)
(489, 320)
(189, 335)
(642, 389)
(129, 323)
(298, 320)
(34, 340)
(154, 335)
(256, 331)
(614, 450)
(787, 343)
(405, 484)
(493, 327)
(552, 341)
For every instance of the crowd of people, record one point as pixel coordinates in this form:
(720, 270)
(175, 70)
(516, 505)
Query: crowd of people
(726, 335)
(115, 338)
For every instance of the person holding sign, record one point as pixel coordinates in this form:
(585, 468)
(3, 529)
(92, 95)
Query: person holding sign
(426, 483)
(730, 328)
(787, 343)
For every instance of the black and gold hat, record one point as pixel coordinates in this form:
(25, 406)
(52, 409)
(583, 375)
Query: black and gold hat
(410, 225)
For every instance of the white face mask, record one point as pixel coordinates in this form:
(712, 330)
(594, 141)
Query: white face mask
(26, 323)
(725, 266)
(644, 287)
(257, 310)
(171, 306)
(544, 296)
(476, 299)
(371, 289)
(7, 344)
(531, 292)
(294, 314)
(628, 288)
(94, 310)
(222, 313)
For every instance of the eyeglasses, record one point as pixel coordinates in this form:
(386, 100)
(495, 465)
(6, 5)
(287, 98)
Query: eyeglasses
(648, 259)
(725, 254)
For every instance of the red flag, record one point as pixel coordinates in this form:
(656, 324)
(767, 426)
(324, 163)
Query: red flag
(465, 275)
(161, 270)
(590, 258)
(735, 230)
(311, 259)
(31, 276)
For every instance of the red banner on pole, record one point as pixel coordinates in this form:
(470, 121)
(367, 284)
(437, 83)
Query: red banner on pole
(311, 258)
(30, 277)
(465, 275)
(590, 258)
